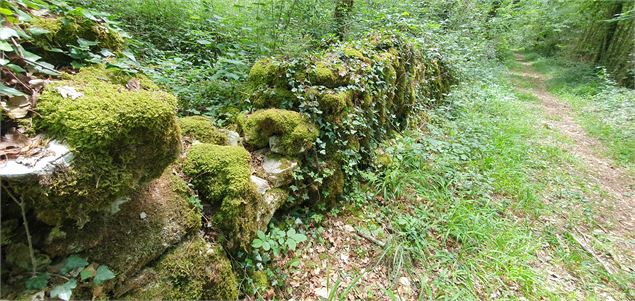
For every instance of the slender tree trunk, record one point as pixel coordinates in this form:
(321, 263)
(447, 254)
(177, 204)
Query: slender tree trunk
(343, 9)
(610, 32)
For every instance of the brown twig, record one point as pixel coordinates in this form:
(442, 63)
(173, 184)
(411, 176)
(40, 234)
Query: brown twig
(12, 75)
(25, 223)
(370, 238)
(588, 249)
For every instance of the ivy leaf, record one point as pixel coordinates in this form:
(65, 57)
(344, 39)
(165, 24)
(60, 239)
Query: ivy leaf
(5, 46)
(73, 262)
(266, 246)
(103, 273)
(8, 91)
(7, 32)
(38, 282)
(290, 232)
(64, 291)
(36, 31)
(291, 244)
(257, 243)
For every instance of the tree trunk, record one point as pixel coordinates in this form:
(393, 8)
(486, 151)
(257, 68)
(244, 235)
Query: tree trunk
(343, 9)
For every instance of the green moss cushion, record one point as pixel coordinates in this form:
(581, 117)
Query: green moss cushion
(202, 129)
(194, 270)
(296, 133)
(221, 175)
(120, 139)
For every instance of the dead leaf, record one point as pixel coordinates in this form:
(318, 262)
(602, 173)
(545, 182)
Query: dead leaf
(97, 291)
(17, 107)
(133, 84)
(69, 92)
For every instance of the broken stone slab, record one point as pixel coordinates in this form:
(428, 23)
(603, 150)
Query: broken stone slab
(278, 170)
(54, 155)
(261, 184)
(233, 138)
(155, 217)
(273, 199)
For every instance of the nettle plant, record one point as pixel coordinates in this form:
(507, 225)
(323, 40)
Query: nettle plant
(74, 273)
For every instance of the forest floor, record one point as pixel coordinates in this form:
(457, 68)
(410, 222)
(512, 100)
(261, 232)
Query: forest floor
(505, 197)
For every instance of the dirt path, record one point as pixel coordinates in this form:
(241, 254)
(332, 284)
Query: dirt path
(619, 217)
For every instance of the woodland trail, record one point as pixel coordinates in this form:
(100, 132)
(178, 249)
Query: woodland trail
(617, 217)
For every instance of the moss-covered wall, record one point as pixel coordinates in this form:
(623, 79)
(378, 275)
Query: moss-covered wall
(353, 94)
(319, 118)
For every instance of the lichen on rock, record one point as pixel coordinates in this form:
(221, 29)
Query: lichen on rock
(296, 133)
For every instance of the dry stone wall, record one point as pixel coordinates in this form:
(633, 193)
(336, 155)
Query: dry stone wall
(124, 197)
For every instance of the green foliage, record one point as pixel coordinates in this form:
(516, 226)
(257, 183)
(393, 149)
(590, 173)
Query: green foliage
(76, 271)
(597, 32)
(295, 132)
(277, 241)
(61, 35)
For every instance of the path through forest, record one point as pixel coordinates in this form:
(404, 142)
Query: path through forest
(617, 217)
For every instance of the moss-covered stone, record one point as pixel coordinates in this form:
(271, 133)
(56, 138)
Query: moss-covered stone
(221, 174)
(267, 72)
(155, 217)
(194, 270)
(351, 52)
(218, 171)
(119, 139)
(201, 128)
(327, 74)
(363, 90)
(296, 134)
(259, 283)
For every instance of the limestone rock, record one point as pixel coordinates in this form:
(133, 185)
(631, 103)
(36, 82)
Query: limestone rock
(279, 170)
(233, 138)
(261, 184)
(273, 199)
(157, 217)
(44, 162)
